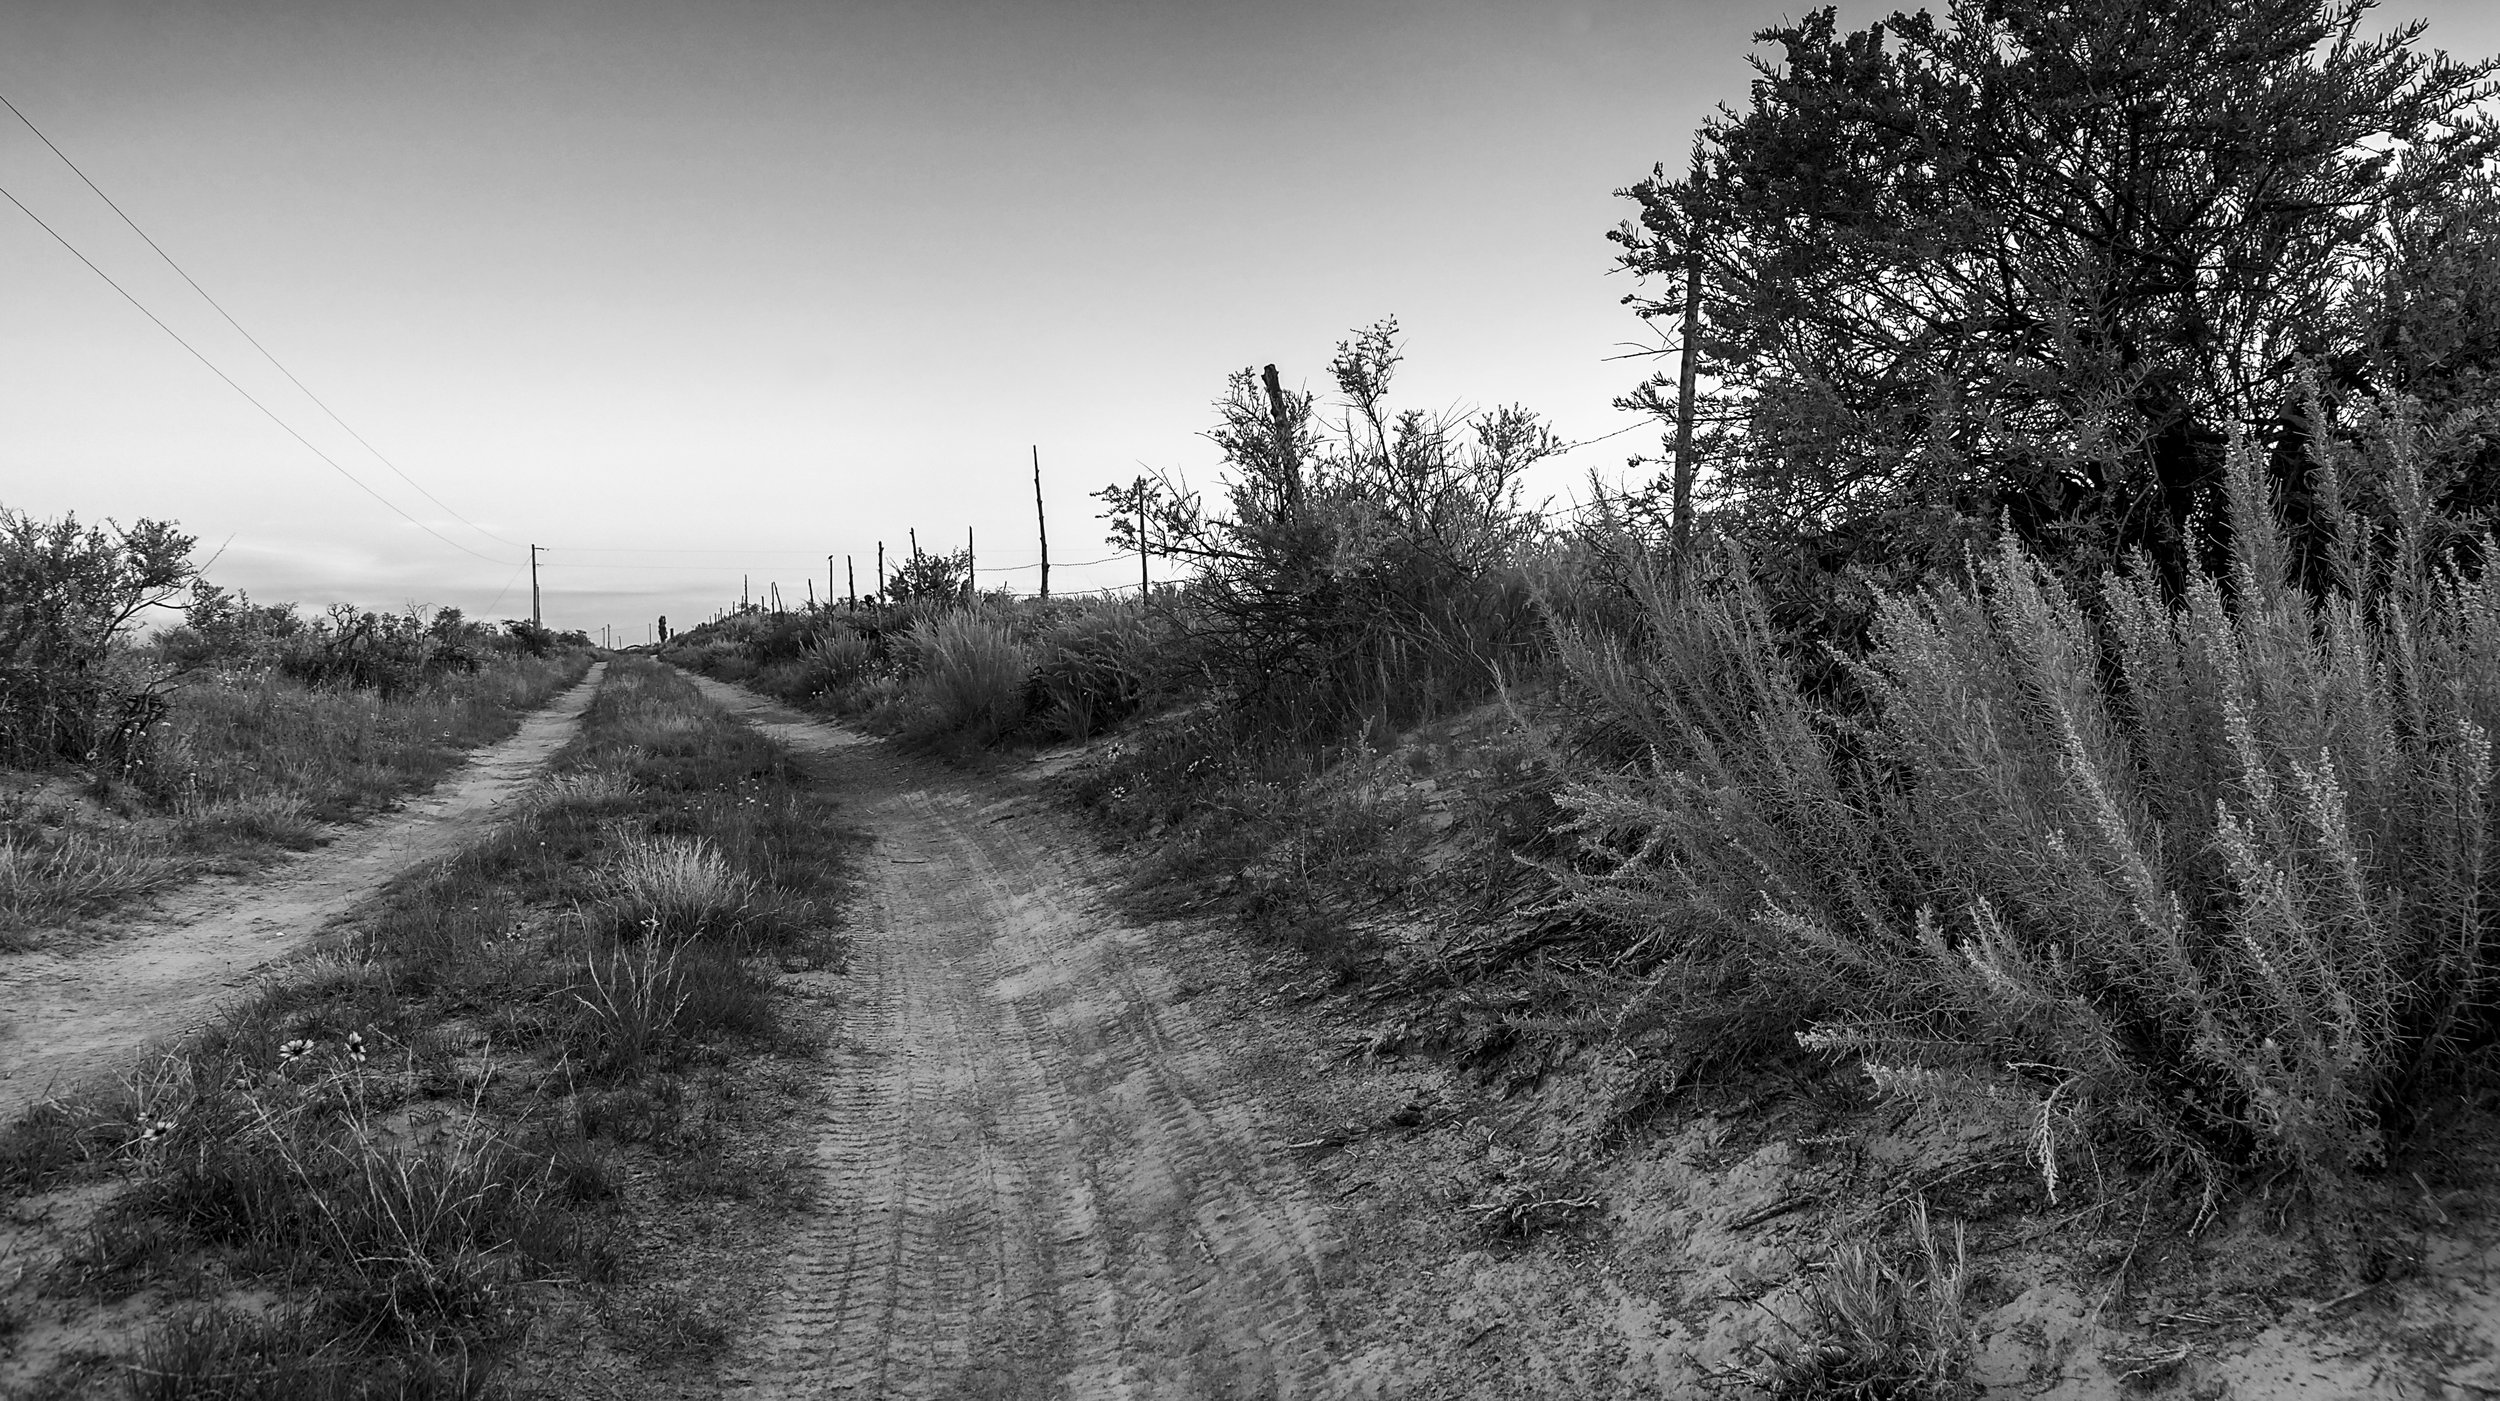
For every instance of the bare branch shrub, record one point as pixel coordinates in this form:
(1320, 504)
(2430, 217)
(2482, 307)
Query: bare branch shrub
(1359, 570)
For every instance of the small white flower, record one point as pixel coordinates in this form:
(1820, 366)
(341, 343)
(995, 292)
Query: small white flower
(295, 1050)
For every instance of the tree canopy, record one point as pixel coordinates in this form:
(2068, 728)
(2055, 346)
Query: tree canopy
(2041, 258)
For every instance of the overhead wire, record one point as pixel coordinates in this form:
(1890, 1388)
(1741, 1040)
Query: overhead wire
(308, 443)
(265, 352)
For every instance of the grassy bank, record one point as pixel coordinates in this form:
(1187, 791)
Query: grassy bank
(384, 1174)
(246, 763)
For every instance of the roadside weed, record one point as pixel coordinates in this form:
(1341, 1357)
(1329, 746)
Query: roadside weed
(1878, 1325)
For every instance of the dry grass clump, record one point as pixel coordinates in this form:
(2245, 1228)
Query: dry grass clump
(677, 887)
(220, 1353)
(1877, 1326)
(593, 788)
(971, 676)
(50, 874)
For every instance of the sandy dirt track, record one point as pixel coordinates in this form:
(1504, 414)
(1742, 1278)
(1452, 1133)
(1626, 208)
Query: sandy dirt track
(1037, 1176)
(68, 1016)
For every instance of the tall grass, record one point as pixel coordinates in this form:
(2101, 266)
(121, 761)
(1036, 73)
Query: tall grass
(972, 675)
(2214, 869)
(245, 762)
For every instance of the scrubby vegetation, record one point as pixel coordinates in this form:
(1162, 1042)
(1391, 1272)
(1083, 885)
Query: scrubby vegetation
(2081, 718)
(2067, 701)
(130, 762)
(368, 1179)
(2203, 870)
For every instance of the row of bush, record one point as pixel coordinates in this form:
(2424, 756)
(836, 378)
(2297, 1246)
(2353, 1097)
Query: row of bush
(387, 653)
(967, 671)
(236, 732)
(81, 684)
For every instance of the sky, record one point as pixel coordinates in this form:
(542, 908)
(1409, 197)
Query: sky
(699, 294)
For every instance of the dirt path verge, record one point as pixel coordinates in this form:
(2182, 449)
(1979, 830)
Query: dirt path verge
(1038, 1172)
(69, 1014)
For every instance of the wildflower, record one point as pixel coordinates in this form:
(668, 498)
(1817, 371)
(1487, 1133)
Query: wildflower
(1119, 794)
(295, 1050)
(151, 1130)
(356, 1047)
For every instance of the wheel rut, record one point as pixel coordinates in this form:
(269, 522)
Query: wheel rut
(68, 1016)
(1037, 1174)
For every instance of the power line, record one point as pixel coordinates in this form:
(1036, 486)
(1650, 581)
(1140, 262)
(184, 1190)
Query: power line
(807, 550)
(1071, 564)
(238, 326)
(237, 388)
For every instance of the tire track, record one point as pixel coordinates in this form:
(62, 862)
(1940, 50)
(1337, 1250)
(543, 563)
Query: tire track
(67, 1016)
(1039, 1176)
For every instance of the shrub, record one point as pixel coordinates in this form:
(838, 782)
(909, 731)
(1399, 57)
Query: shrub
(2215, 870)
(222, 629)
(940, 578)
(1095, 668)
(391, 654)
(1364, 573)
(69, 686)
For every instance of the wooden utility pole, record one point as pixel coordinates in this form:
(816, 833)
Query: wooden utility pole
(850, 574)
(535, 620)
(1681, 536)
(828, 583)
(744, 585)
(971, 589)
(1143, 588)
(915, 541)
(881, 573)
(1041, 522)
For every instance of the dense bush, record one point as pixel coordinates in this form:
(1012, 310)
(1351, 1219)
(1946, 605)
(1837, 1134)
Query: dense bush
(2213, 870)
(948, 670)
(1366, 570)
(1095, 667)
(71, 686)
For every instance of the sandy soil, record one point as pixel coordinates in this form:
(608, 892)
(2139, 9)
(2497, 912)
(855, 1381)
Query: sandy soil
(73, 1013)
(1039, 1172)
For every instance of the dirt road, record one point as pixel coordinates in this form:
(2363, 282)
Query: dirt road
(1038, 1176)
(67, 1016)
